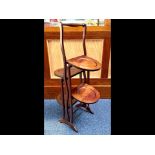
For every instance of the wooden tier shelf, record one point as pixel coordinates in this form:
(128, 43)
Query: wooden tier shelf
(60, 72)
(86, 94)
(85, 63)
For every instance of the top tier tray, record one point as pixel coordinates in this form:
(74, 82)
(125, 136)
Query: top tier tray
(85, 62)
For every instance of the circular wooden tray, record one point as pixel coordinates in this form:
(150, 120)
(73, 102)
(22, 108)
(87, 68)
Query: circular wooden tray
(60, 72)
(86, 93)
(85, 62)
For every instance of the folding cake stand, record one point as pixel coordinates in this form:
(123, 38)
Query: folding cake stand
(84, 93)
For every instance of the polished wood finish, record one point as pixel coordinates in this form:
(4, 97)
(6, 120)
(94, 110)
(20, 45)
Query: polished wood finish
(73, 49)
(85, 62)
(86, 93)
(66, 95)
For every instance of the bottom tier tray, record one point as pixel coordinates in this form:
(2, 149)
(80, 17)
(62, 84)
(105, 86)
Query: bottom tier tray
(86, 93)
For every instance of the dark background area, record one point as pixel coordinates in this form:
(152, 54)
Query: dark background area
(133, 47)
(22, 77)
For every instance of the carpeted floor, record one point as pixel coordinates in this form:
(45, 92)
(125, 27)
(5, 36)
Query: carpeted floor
(98, 123)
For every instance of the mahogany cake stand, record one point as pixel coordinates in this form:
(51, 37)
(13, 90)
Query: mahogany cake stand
(84, 92)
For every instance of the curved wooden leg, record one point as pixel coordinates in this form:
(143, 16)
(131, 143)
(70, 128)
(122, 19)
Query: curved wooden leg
(70, 95)
(71, 125)
(84, 107)
(88, 77)
(84, 75)
(89, 110)
(67, 97)
(62, 97)
(80, 75)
